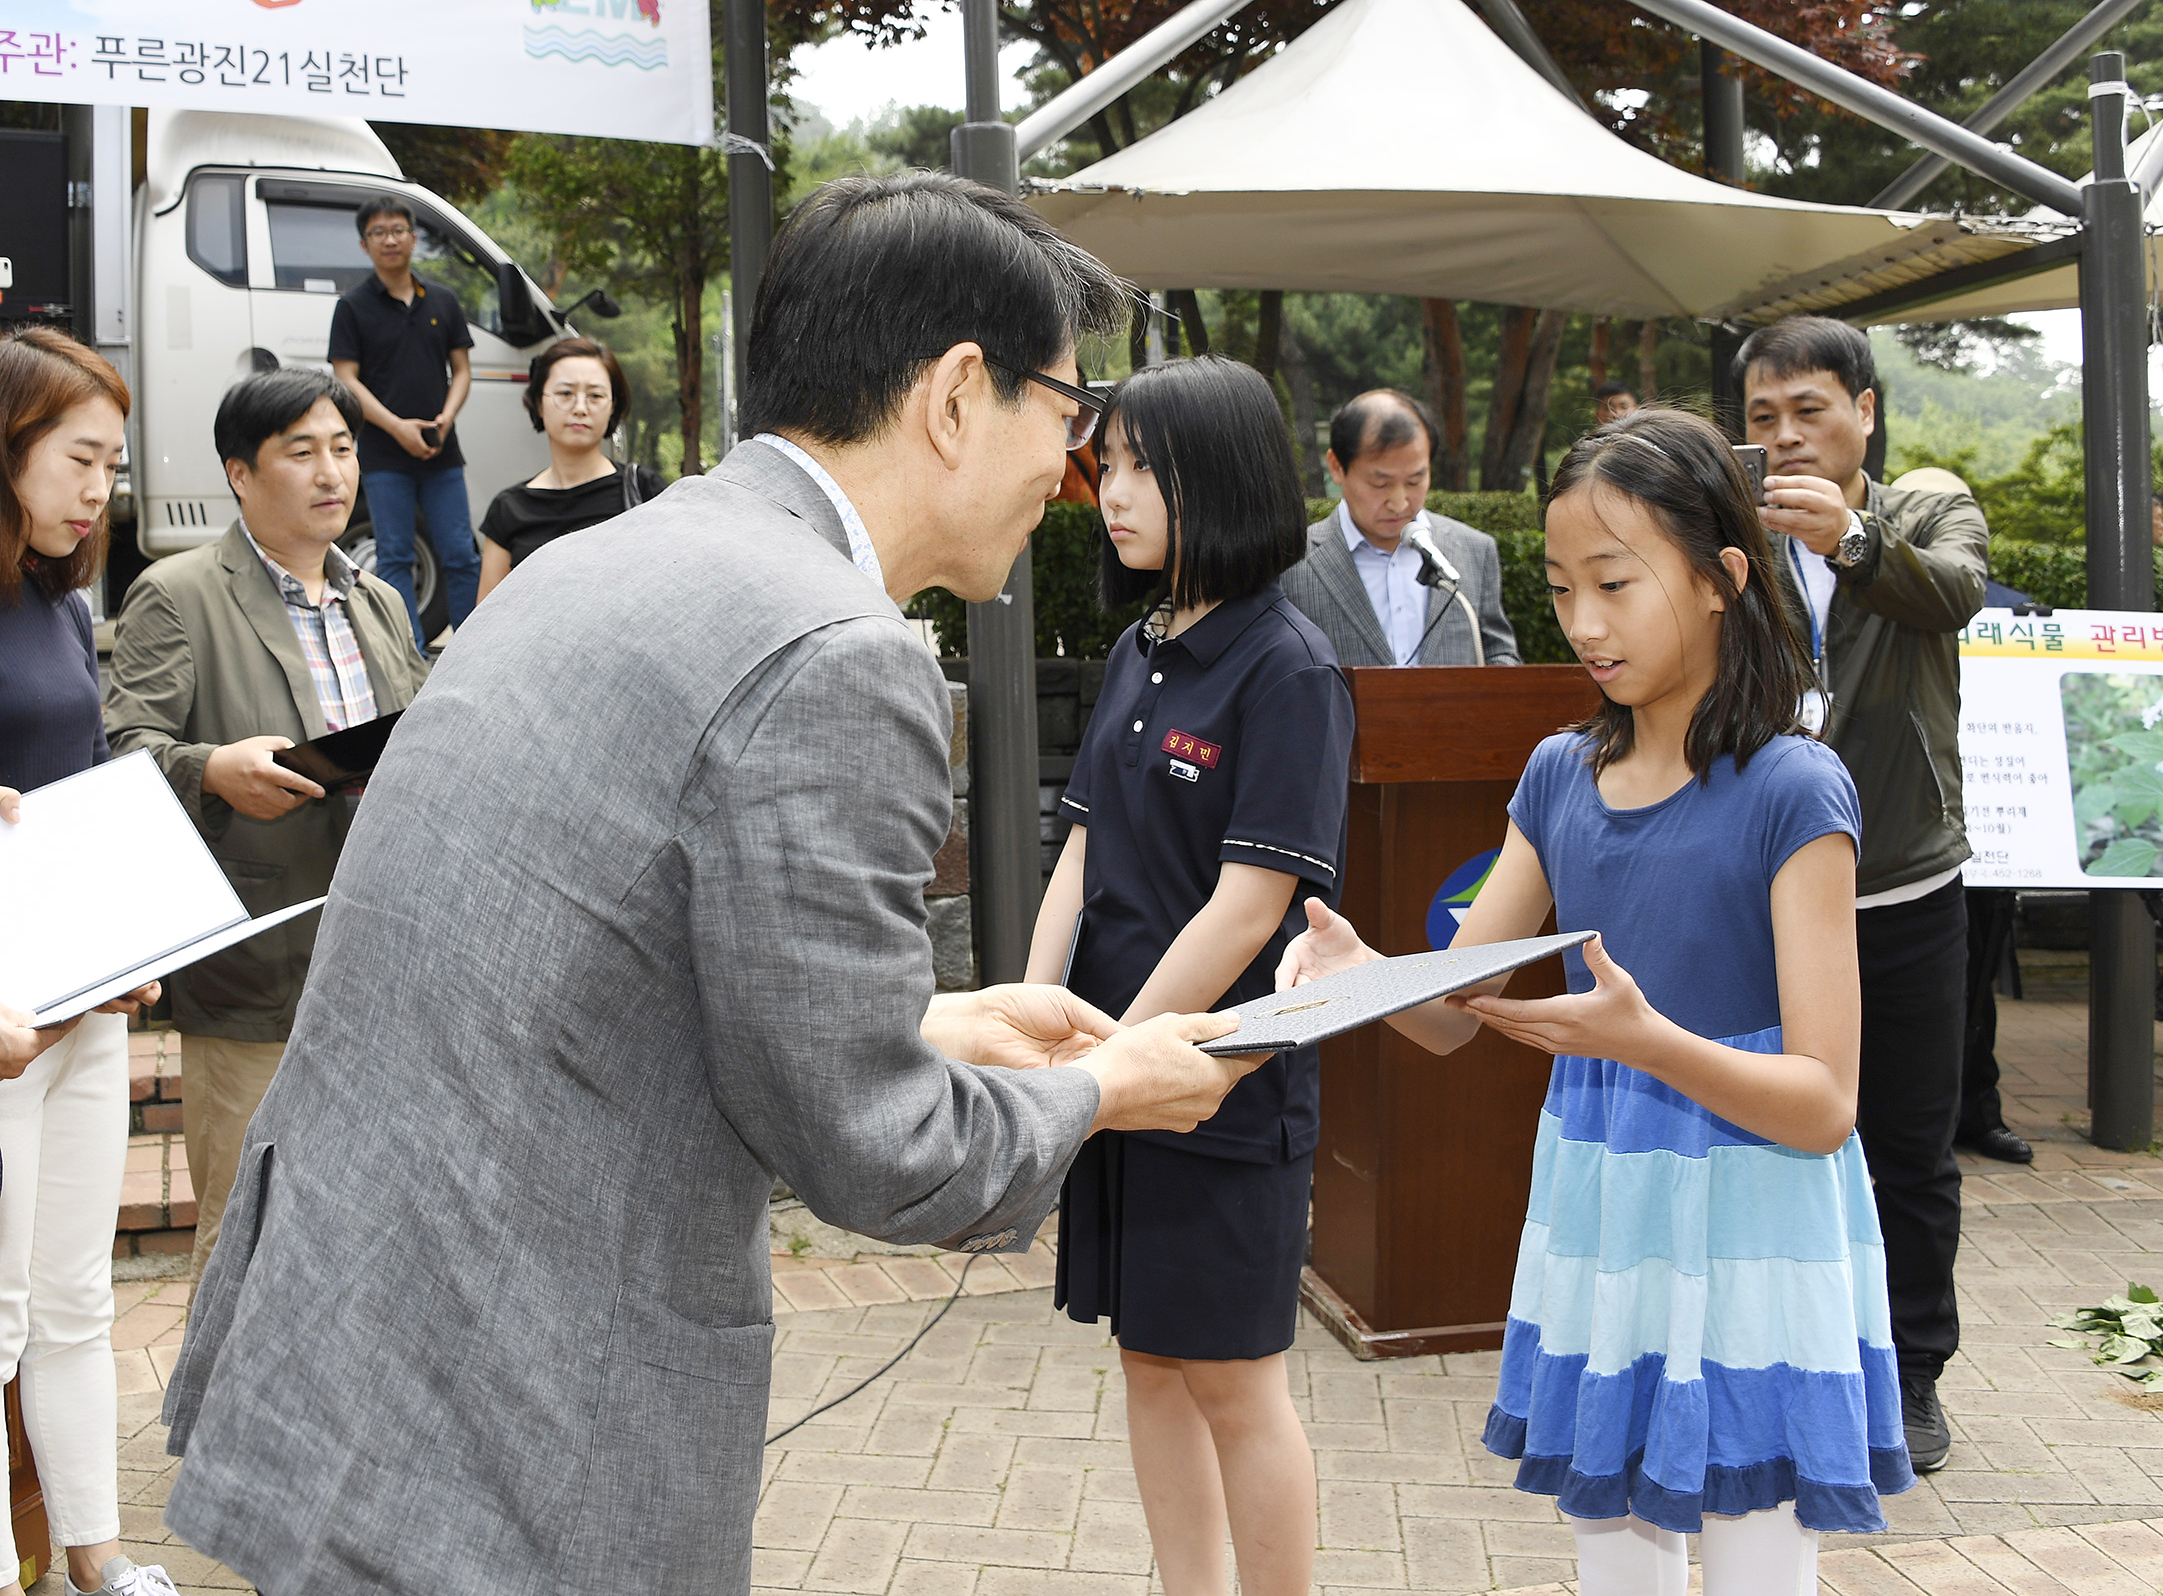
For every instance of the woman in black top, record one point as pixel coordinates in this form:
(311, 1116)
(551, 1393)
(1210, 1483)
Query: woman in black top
(64, 1089)
(576, 395)
(1208, 802)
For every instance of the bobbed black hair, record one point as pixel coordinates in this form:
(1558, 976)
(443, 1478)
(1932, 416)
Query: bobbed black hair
(1679, 468)
(1612, 387)
(258, 408)
(1214, 438)
(874, 278)
(1796, 344)
(1381, 418)
(537, 370)
(381, 205)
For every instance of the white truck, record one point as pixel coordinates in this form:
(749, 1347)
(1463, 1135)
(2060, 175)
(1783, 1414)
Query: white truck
(242, 241)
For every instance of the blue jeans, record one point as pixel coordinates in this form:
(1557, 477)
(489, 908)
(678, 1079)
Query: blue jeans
(442, 498)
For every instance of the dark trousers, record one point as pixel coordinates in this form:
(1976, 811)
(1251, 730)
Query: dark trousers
(1914, 977)
(1990, 934)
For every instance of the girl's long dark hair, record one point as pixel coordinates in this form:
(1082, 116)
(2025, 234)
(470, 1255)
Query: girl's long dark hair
(1683, 473)
(1212, 434)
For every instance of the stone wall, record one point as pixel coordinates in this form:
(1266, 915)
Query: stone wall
(1066, 696)
(953, 939)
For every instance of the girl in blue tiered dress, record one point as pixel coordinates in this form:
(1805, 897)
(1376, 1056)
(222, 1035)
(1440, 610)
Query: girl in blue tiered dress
(1698, 1336)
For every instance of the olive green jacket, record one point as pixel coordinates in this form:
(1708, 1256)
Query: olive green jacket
(204, 654)
(1892, 668)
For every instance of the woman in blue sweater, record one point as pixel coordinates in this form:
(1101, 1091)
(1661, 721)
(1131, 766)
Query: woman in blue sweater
(63, 1091)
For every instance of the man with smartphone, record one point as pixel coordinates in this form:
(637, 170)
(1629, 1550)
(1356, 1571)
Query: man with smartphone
(402, 346)
(1880, 580)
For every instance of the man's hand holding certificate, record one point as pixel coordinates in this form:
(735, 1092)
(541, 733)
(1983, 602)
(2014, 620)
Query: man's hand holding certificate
(1149, 1076)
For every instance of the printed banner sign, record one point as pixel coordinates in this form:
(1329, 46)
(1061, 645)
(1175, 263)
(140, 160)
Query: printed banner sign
(2061, 748)
(635, 69)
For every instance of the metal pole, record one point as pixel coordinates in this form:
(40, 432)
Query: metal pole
(1722, 93)
(1871, 103)
(1899, 193)
(2114, 400)
(1511, 27)
(1076, 104)
(1008, 878)
(1721, 89)
(751, 175)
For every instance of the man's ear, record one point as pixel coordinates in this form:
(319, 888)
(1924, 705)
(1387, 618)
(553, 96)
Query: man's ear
(1866, 406)
(950, 392)
(236, 477)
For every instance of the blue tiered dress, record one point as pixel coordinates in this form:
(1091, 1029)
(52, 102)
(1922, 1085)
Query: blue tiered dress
(1699, 1322)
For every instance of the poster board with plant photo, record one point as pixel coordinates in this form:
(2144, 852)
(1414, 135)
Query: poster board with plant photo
(2061, 748)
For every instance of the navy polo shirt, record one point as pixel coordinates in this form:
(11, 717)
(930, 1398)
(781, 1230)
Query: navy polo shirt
(1229, 743)
(404, 353)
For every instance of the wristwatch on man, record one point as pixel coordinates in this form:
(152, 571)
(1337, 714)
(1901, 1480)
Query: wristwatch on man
(1853, 545)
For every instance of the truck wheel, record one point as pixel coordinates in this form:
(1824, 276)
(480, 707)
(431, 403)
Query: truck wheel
(359, 544)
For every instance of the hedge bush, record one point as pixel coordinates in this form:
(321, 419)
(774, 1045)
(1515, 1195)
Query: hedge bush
(1068, 621)
(2051, 573)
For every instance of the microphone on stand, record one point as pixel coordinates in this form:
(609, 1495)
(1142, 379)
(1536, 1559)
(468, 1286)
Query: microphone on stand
(1435, 569)
(1434, 565)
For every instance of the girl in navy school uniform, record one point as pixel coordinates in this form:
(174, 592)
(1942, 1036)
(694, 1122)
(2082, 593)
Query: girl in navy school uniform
(1208, 803)
(1698, 1338)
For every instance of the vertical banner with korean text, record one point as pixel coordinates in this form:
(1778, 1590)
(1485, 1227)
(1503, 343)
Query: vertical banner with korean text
(636, 69)
(2061, 749)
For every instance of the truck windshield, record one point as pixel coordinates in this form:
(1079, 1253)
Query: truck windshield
(314, 248)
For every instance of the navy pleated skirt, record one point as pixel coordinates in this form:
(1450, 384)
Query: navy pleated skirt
(1187, 1255)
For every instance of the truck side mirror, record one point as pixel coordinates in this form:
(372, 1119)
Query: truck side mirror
(523, 322)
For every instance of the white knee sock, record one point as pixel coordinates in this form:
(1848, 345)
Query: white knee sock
(1758, 1554)
(1628, 1557)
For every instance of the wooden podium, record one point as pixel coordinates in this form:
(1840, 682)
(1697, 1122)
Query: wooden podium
(1425, 1163)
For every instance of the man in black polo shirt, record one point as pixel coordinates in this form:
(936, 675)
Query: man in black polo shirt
(402, 345)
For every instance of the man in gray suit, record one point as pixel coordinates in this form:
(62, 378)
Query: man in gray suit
(1387, 582)
(630, 921)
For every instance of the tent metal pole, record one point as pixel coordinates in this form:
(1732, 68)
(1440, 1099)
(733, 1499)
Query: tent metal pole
(1902, 191)
(1007, 875)
(1721, 91)
(1510, 25)
(2114, 401)
(1871, 103)
(1076, 104)
(751, 178)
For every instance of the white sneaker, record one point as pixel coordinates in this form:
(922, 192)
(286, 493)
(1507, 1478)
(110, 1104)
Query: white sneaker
(121, 1577)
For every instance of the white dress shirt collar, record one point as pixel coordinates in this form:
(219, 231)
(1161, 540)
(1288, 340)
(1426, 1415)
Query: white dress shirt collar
(860, 547)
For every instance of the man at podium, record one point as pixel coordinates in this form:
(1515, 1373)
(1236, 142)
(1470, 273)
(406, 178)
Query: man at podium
(1386, 581)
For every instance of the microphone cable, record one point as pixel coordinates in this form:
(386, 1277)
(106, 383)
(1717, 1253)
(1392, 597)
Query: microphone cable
(888, 1364)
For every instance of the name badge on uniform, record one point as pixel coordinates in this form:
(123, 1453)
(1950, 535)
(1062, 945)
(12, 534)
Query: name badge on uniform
(1185, 744)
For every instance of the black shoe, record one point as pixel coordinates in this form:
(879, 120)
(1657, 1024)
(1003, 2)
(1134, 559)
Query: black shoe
(1929, 1439)
(2001, 1144)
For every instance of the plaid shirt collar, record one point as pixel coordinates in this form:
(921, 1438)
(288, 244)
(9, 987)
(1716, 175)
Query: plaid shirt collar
(339, 574)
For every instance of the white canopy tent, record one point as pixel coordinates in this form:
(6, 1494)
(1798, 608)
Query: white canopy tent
(1399, 146)
(2056, 286)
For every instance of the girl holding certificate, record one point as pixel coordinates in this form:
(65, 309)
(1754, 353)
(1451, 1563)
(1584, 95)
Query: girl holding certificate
(1208, 804)
(1698, 1338)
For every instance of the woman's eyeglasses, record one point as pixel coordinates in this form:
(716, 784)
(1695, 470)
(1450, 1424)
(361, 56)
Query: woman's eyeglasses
(1082, 425)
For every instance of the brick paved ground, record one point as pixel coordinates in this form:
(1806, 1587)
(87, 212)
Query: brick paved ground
(994, 1460)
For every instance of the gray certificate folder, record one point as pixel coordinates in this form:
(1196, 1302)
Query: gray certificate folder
(1374, 991)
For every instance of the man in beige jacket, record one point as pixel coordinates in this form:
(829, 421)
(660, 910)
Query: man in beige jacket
(222, 655)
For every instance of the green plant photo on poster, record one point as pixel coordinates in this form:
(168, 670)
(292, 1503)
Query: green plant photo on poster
(2114, 746)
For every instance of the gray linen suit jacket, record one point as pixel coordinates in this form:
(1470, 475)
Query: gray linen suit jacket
(1327, 588)
(630, 921)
